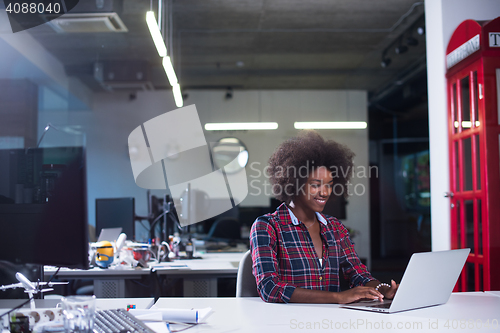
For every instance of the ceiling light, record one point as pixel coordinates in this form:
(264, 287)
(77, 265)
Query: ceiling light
(331, 125)
(176, 89)
(421, 30)
(243, 158)
(169, 69)
(412, 41)
(400, 49)
(240, 126)
(156, 34)
(385, 62)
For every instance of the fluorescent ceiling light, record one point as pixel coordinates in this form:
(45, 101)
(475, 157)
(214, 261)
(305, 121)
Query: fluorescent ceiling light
(331, 125)
(243, 158)
(176, 89)
(169, 69)
(156, 34)
(240, 126)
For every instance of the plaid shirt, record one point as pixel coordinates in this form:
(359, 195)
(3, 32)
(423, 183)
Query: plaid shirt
(284, 258)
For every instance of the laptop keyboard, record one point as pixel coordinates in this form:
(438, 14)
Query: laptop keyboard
(382, 306)
(118, 321)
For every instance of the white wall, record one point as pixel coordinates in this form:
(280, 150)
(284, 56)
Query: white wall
(442, 18)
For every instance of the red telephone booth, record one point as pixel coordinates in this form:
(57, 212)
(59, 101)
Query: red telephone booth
(473, 85)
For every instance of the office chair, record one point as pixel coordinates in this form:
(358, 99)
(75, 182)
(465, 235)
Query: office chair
(245, 281)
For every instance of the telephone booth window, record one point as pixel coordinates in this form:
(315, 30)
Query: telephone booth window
(478, 163)
(479, 228)
(469, 224)
(476, 99)
(471, 281)
(457, 168)
(481, 277)
(467, 165)
(465, 105)
(459, 225)
(455, 108)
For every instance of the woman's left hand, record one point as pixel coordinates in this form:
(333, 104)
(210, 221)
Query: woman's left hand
(389, 293)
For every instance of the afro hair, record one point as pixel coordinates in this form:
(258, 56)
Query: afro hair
(294, 159)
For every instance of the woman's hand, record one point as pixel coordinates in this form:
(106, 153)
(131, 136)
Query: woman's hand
(358, 293)
(389, 293)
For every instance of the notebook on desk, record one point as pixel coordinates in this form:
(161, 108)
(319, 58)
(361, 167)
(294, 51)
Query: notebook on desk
(428, 280)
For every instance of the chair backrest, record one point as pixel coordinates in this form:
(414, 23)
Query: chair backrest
(245, 281)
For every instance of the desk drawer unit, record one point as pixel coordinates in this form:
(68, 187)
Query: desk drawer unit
(206, 287)
(109, 288)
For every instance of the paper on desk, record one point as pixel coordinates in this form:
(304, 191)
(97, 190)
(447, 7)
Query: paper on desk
(169, 266)
(193, 316)
(150, 318)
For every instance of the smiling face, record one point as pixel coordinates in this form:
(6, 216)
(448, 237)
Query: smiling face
(316, 190)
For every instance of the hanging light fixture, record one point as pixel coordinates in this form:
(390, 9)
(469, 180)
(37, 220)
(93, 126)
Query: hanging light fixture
(240, 126)
(401, 48)
(331, 125)
(162, 52)
(156, 34)
(386, 61)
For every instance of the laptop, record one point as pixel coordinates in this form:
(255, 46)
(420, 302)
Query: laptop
(109, 234)
(428, 280)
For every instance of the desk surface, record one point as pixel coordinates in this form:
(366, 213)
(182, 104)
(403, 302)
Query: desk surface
(101, 303)
(251, 314)
(211, 263)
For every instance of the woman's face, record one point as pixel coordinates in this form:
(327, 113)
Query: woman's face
(316, 190)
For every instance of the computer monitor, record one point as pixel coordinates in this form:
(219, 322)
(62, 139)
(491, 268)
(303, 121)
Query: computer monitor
(114, 213)
(43, 207)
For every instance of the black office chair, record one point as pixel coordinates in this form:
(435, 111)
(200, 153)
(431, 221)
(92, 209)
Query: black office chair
(225, 229)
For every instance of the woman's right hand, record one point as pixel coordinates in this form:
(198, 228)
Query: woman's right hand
(357, 294)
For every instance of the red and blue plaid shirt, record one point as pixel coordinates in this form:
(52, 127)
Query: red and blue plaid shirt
(284, 257)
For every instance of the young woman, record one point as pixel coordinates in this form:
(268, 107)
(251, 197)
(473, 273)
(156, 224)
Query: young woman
(298, 252)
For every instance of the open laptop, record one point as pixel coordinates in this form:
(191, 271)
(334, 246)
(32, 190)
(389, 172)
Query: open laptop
(109, 234)
(428, 280)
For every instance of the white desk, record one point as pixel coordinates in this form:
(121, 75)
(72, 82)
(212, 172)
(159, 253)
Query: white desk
(251, 314)
(108, 283)
(101, 303)
(496, 293)
(212, 263)
(199, 275)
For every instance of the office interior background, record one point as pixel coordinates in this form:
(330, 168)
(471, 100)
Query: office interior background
(285, 61)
